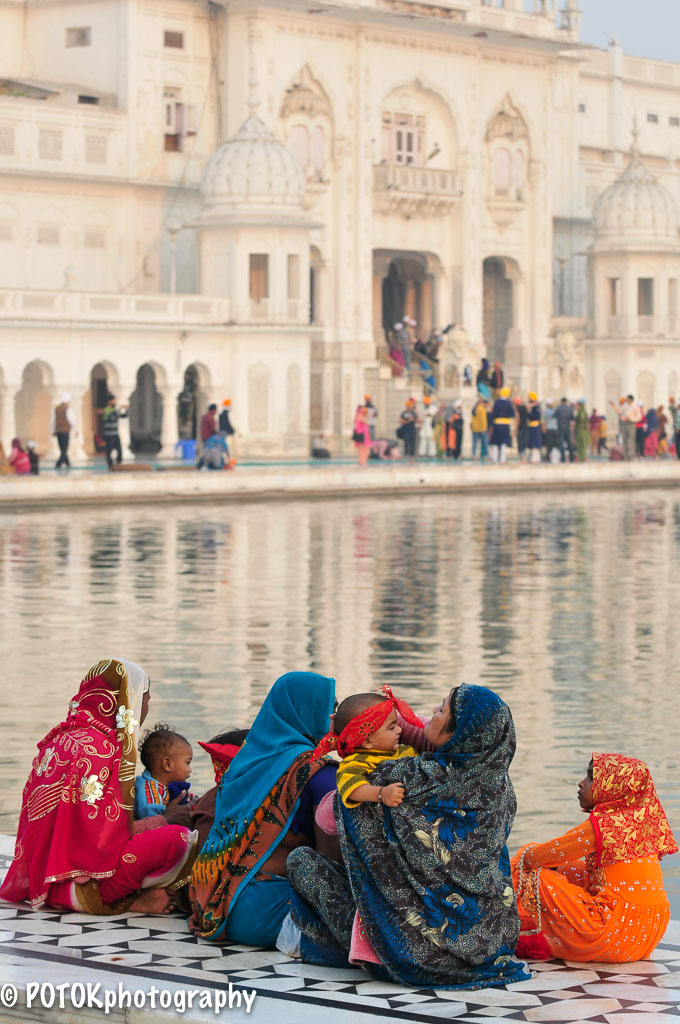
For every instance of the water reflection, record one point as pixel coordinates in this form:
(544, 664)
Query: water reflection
(566, 605)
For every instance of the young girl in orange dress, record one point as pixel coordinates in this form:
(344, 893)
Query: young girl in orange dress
(596, 894)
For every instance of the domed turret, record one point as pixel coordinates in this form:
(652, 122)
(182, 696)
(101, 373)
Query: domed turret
(635, 211)
(252, 170)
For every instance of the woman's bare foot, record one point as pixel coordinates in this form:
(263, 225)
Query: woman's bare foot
(152, 901)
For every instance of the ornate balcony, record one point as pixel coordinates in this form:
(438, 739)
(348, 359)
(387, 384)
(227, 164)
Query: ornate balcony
(414, 191)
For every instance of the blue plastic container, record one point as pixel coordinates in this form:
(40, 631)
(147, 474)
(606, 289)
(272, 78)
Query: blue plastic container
(187, 448)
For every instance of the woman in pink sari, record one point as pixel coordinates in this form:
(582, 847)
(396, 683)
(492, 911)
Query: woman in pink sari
(76, 848)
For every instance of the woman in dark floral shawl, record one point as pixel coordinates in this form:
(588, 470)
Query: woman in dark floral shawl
(430, 879)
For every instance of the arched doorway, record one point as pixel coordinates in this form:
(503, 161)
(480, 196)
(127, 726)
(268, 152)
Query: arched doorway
(101, 385)
(146, 413)
(192, 402)
(498, 313)
(407, 290)
(33, 405)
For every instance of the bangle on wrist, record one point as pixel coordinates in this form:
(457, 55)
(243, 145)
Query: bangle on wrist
(380, 796)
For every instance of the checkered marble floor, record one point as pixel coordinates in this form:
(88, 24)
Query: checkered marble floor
(132, 946)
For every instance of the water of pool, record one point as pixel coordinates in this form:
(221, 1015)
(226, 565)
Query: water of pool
(566, 604)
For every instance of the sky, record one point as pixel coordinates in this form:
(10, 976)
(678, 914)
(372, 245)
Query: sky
(644, 28)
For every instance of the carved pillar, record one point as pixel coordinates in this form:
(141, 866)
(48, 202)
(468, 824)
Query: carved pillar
(76, 443)
(169, 428)
(123, 397)
(7, 396)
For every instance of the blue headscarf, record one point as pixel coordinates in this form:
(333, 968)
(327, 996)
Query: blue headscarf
(293, 718)
(432, 877)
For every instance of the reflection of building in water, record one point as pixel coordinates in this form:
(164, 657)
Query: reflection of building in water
(566, 608)
(175, 234)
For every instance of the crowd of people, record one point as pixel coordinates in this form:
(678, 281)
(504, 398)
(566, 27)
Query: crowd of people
(549, 431)
(358, 833)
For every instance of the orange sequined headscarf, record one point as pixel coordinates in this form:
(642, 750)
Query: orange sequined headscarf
(627, 816)
(363, 725)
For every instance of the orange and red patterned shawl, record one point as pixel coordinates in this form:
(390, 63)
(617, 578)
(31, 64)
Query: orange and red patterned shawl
(628, 818)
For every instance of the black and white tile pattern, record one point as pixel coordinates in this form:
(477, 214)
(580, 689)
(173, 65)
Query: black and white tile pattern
(161, 948)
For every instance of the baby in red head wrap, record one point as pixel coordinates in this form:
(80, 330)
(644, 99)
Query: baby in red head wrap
(366, 733)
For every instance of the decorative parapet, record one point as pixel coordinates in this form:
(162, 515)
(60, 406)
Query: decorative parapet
(414, 191)
(623, 327)
(449, 10)
(110, 308)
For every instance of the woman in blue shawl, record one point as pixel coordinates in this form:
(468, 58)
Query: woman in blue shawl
(265, 802)
(430, 879)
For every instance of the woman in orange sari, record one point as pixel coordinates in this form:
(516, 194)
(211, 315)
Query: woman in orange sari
(596, 894)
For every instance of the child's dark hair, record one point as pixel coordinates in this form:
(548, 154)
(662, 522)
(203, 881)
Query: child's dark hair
(234, 736)
(157, 743)
(353, 706)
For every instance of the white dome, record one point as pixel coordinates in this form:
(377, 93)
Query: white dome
(635, 210)
(254, 170)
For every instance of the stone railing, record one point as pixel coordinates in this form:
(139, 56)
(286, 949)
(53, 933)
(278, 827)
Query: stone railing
(111, 308)
(414, 191)
(642, 326)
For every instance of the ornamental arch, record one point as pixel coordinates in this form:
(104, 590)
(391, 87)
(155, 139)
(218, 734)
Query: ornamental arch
(104, 380)
(192, 401)
(33, 404)
(146, 409)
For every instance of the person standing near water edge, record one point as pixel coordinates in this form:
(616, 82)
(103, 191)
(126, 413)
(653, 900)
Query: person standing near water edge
(502, 415)
(111, 416)
(628, 417)
(362, 435)
(480, 428)
(406, 432)
(208, 425)
(62, 425)
(226, 427)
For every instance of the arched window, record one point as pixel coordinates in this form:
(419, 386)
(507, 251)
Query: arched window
(507, 139)
(501, 172)
(307, 124)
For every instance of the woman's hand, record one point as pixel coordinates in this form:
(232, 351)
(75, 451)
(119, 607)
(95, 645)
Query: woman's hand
(177, 811)
(393, 794)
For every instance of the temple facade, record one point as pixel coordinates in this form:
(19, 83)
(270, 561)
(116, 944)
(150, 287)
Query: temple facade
(201, 201)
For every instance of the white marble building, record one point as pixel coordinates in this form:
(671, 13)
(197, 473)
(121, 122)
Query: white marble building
(440, 159)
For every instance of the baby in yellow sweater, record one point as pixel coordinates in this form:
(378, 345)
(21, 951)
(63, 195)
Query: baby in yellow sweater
(366, 731)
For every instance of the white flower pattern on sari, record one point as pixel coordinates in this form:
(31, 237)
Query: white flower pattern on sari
(91, 789)
(45, 762)
(126, 720)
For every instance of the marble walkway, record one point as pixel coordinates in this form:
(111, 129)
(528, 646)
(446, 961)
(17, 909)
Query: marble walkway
(140, 952)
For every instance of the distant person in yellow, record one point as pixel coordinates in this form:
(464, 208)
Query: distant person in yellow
(480, 428)
(366, 733)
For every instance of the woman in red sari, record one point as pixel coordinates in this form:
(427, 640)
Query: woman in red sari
(75, 847)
